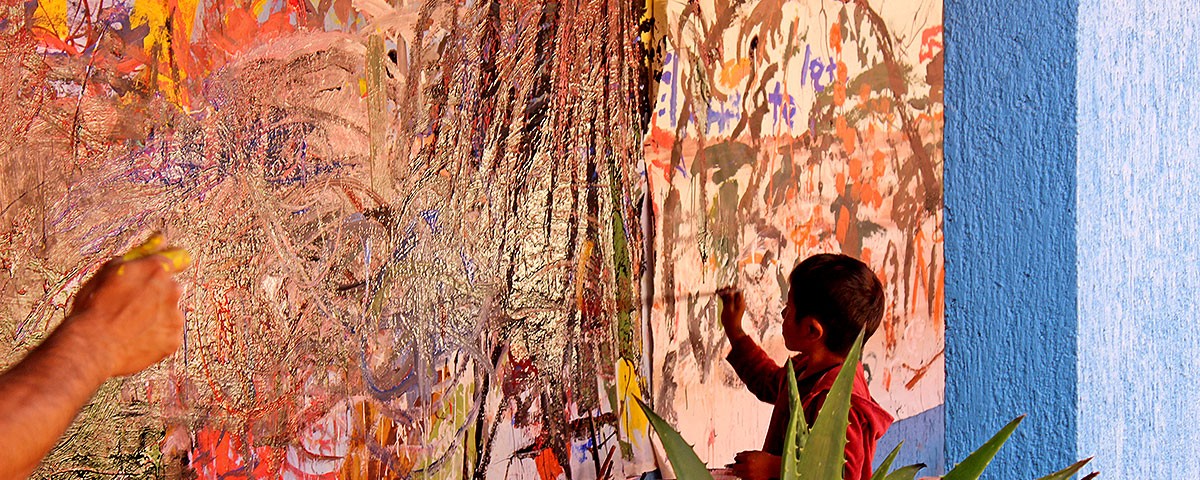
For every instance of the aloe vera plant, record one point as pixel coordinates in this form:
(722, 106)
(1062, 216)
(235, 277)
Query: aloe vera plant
(821, 455)
(881, 472)
(681, 455)
(1066, 473)
(907, 472)
(796, 436)
(817, 453)
(978, 460)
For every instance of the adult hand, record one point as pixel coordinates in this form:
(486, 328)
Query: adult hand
(125, 318)
(756, 465)
(129, 310)
(733, 306)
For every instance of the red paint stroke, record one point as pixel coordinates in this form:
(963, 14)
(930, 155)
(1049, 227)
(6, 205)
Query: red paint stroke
(919, 373)
(219, 454)
(931, 43)
(548, 467)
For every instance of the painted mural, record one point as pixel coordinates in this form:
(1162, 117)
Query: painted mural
(448, 239)
(780, 130)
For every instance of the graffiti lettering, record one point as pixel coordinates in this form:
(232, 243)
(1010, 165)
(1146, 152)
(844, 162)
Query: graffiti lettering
(783, 106)
(815, 68)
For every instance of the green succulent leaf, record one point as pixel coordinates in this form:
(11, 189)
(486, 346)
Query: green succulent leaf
(824, 455)
(797, 431)
(908, 472)
(1066, 473)
(681, 455)
(882, 471)
(975, 463)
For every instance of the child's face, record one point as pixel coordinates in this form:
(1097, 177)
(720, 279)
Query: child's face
(800, 334)
(792, 338)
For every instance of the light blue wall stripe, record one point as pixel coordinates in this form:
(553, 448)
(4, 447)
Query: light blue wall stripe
(1139, 237)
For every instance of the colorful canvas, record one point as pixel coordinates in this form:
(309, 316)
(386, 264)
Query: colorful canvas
(448, 239)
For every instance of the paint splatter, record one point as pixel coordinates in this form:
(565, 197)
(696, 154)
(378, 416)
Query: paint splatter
(415, 228)
(420, 229)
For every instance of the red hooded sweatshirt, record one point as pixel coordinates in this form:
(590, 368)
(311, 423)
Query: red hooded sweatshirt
(765, 379)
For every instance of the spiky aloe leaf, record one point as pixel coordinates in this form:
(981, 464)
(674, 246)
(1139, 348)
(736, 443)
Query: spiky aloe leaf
(1066, 473)
(906, 473)
(881, 472)
(683, 459)
(797, 430)
(824, 456)
(972, 467)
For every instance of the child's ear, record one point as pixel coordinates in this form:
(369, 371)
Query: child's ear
(813, 328)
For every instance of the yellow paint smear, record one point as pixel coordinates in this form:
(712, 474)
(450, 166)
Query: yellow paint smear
(51, 15)
(179, 258)
(628, 388)
(154, 15)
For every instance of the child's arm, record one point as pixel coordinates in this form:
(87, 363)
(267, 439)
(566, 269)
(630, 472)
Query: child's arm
(762, 376)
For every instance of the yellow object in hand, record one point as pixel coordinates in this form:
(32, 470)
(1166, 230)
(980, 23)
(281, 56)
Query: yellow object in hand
(179, 258)
(147, 248)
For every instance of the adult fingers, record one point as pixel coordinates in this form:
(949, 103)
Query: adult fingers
(174, 319)
(84, 294)
(174, 292)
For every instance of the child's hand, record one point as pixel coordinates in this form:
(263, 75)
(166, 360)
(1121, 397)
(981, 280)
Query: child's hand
(756, 465)
(733, 306)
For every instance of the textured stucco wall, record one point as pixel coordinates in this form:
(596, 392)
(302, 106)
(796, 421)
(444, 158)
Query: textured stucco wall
(924, 442)
(1010, 244)
(1139, 237)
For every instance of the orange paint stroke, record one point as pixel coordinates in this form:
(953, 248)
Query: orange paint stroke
(835, 40)
(931, 43)
(734, 71)
(846, 134)
(843, 225)
(548, 467)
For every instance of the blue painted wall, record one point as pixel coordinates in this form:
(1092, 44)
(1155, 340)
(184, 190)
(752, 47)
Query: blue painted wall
(1010, 223)
(1139, 237)
(923, 436)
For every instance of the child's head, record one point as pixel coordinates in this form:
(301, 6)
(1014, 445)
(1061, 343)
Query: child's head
(841, 293)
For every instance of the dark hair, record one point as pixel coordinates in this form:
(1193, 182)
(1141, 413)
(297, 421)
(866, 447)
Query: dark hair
(842, 293)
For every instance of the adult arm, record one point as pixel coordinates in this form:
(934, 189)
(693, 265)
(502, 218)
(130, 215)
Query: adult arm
(124, 319)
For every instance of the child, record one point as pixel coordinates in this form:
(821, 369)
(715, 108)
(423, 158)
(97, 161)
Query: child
(831, 298)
